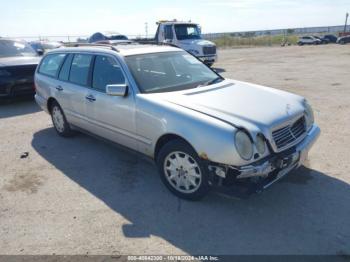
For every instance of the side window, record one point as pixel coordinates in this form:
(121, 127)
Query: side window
(106, 72)
(80, 68)
(51, 64)
(64, 73)
(168, 29)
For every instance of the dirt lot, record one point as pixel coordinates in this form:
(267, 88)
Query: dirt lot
(82, 195)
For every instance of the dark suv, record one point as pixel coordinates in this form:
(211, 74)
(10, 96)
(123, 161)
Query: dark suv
(18, 62)
(331, 38)
(344, 40)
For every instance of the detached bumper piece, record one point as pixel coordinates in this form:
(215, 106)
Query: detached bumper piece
(244, 188)
(241, 182)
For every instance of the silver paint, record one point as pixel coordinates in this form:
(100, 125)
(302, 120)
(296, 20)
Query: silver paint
(206, 117)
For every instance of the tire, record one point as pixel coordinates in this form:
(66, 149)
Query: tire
(182, 171)
(59, 121)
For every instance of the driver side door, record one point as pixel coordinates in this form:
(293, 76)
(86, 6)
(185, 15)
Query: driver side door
(112, 117)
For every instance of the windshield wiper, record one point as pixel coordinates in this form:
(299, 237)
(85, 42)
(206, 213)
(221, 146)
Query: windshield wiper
(213, 81)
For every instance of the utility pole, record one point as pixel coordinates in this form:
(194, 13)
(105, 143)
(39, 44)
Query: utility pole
(146, 29)
(346, 21)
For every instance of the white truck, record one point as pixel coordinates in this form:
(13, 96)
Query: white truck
(185, 35)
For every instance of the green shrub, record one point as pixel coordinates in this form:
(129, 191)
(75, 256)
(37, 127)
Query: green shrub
(266, 40)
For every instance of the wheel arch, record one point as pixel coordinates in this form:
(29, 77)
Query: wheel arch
(166, 138)
(50, 101)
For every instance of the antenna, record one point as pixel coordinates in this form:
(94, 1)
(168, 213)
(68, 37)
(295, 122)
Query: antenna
(346, 21)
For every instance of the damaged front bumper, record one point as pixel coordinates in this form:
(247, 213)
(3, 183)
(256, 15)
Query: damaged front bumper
(267, 172)
(208, 58)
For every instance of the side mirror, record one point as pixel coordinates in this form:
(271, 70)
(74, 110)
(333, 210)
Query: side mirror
(117, 90)
(40, 52)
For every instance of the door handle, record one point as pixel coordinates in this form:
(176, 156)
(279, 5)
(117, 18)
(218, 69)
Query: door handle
(91, 98)
(59, 88)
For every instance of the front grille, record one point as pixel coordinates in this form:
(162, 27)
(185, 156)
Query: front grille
(288, 134)
(209, 50)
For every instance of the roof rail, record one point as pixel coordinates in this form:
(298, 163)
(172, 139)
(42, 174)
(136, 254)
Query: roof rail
(92, 45)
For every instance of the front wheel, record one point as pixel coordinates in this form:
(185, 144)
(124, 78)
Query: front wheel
(59, 121)
(182, 171)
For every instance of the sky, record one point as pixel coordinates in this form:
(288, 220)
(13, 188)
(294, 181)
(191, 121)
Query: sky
(82, 18)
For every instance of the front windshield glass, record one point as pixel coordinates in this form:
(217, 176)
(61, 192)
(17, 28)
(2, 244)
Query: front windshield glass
(169, 71)
(9, 48)
(187, 31)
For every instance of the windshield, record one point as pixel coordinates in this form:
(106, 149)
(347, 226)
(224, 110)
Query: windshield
(187, 31)
(10, 48)
(170, 71)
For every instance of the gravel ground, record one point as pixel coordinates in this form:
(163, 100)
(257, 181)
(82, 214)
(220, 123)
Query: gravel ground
(85, 196)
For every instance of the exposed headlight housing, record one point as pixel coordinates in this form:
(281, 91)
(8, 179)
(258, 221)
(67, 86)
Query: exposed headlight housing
(309, 115)
(4, 72)
(260, 144)
(243, 145)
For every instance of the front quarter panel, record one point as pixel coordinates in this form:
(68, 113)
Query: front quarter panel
(211, 138)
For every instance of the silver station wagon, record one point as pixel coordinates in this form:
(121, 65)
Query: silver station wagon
(203, 131)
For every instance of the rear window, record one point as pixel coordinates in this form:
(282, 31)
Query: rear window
(80, 68)
(51, 64)
(64, 73)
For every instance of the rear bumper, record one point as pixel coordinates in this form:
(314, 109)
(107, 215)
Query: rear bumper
(42, 102)
(13, 88)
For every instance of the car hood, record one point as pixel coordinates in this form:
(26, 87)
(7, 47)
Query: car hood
(21, 60)
(199, 42)
(243, 105)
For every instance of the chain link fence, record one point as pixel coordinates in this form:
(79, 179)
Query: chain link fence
(230, 39)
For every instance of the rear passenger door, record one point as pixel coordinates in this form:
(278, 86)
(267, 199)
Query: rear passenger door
(112, 117)
(74, 79)
(308, 40)
(46, 77)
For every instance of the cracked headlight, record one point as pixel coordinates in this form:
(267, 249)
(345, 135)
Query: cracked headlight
(244, 145)
(309, 115)
(260, 144)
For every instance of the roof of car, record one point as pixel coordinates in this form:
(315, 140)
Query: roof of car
(124, 50)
